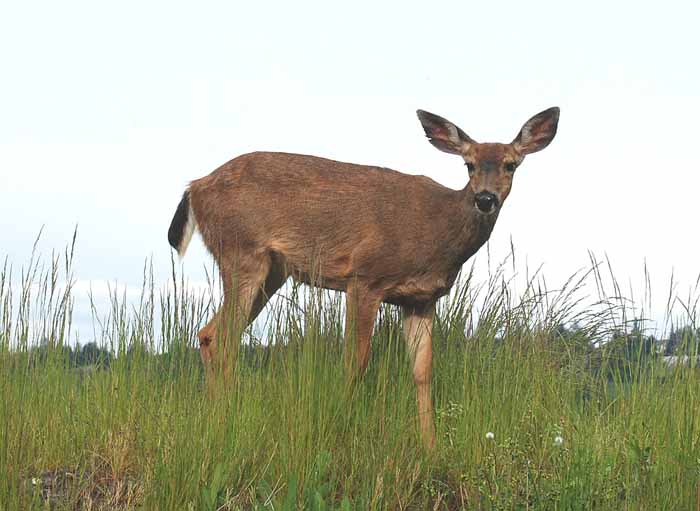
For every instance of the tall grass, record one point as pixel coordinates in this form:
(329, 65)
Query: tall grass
(571, 427)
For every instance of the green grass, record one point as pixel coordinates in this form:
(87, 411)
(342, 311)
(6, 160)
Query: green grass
(292, 433)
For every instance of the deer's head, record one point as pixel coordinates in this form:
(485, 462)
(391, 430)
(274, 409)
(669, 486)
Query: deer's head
(491, 165)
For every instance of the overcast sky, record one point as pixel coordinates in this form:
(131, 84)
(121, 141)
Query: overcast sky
(107, 110)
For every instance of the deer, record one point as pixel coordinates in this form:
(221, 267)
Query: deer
(379, 235)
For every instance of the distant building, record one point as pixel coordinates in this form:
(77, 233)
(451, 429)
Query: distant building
(676, 360)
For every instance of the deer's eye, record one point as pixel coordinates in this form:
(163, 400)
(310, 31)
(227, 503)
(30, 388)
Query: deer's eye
(510, 166)
(470, 167)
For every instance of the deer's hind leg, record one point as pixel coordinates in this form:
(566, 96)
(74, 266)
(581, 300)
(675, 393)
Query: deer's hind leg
(248, 283)
(276, 278)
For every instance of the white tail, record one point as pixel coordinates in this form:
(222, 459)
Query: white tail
(182, 226)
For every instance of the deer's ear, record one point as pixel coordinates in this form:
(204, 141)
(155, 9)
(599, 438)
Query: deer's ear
(443, 134)
(538, 132)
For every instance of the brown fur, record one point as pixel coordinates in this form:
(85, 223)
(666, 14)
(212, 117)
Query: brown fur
(375, 233)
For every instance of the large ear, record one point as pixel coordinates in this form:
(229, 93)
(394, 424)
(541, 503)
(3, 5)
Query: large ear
(538, 132)
(443, 134)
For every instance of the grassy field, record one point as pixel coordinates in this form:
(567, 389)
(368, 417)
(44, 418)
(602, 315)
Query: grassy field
(529, 415)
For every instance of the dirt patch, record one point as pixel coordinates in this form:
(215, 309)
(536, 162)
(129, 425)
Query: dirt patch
(94, 490)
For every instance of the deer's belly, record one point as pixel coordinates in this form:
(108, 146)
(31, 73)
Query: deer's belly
(420, 289)
(415, 287)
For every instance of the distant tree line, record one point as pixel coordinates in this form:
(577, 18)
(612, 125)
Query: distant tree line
(623, 351)
(683, 341)
(626, 351)
(90, 354)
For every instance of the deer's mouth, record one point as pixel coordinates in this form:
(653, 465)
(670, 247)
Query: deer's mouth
(486, 203)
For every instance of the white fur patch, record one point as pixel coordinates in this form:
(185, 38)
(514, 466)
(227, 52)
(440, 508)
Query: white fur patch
(187, 233)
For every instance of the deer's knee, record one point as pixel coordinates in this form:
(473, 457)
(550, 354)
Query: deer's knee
(422, 376)
(422, 368)
(207, 339)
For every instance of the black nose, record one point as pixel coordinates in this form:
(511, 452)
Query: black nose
(486, 202)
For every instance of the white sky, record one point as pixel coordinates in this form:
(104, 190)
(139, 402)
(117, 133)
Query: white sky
(107, 110)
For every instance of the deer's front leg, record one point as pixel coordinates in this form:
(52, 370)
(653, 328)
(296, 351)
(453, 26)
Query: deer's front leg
(418, 329)
(362, 307)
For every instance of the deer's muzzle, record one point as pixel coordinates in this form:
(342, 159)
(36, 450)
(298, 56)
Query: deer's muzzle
(486, 202)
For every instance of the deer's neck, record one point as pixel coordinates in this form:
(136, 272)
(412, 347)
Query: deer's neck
(475, 228)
